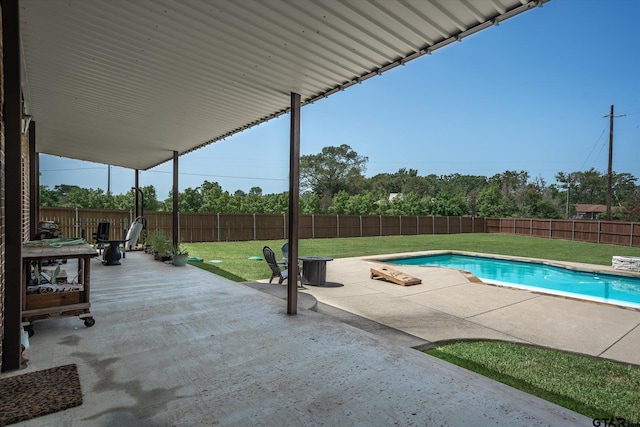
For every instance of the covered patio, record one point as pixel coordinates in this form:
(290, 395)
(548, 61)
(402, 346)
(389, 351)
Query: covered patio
(139, 83)
(91, 80)
(183, 347)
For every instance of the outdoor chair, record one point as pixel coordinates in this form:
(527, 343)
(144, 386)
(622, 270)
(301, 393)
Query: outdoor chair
(276, 270)
(285, 252)
(101, 236)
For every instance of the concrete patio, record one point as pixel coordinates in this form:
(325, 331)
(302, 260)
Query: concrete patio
(182, 347)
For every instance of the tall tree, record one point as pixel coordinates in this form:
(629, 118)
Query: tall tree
(332, 170)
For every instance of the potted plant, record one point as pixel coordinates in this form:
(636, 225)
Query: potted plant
(161, 246)
(180, 254)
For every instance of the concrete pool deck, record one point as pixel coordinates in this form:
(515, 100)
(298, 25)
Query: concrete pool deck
(450, 305)
(178, 346)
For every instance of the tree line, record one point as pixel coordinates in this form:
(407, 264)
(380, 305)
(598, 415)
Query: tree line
(333, 182)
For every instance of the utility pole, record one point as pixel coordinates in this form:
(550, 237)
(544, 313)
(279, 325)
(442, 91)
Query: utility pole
(568, 194)
(609, 169)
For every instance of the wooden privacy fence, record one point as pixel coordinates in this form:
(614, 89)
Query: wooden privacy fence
(216, 227)
(225, 227)
(608, 232)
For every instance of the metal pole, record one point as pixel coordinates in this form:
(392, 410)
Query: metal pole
(294, 203)
(175, 229)
(135, 192)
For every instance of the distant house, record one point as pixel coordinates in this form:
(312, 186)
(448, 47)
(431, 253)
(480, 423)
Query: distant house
(587, 211)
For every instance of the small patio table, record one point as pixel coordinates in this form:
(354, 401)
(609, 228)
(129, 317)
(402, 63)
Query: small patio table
(112, 254)
(314, 269)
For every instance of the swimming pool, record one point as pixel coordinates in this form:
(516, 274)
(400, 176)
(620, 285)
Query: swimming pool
(536, 276)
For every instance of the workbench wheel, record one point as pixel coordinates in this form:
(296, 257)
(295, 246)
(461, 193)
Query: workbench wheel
(30, 331)
(89, 322)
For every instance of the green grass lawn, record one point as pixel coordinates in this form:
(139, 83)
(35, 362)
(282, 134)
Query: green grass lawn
(594, 387)
(234, 255)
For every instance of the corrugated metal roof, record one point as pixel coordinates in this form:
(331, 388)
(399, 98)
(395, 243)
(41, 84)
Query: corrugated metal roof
(127, 82)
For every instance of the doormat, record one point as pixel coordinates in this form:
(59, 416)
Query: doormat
(32, 395)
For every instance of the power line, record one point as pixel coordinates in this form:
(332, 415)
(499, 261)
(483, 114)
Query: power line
(592, 148)
(221, 176)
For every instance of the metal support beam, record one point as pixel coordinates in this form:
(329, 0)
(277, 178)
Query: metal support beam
(175, 229)
(136, 207)
(13, 227)
(34, 182)
(294, 204)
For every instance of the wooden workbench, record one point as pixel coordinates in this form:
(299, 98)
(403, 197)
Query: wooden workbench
(57, 304)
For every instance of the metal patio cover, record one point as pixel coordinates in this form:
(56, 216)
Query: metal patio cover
(127, 82)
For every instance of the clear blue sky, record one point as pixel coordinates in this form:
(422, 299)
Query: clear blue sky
(528, 95)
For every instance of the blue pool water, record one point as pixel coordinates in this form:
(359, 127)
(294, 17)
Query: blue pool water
(620, 290)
